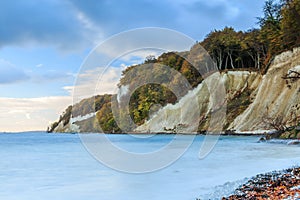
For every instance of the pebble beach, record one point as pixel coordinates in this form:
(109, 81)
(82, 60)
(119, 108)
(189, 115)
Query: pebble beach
(284, 184)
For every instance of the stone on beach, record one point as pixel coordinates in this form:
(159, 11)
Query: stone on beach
(283, 184)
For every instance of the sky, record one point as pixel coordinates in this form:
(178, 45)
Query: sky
(43, 44)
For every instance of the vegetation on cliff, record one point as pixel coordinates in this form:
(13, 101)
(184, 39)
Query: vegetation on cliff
(279, 31)
(231, 50)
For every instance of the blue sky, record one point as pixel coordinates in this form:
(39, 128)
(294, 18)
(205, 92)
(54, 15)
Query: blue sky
(44, 42)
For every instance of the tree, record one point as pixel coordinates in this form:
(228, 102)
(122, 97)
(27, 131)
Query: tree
(227, 48)
(212, 43)
(272, 14)
(150, 59)
(231, 41)
(290, 24)
(254, 48)
(270, 33)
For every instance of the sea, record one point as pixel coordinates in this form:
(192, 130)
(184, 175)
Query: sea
(42, 166)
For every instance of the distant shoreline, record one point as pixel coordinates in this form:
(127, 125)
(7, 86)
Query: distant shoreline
(165, 133)
(135, 133)
(240, 134)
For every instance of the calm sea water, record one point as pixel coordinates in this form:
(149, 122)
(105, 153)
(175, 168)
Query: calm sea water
(40, 166)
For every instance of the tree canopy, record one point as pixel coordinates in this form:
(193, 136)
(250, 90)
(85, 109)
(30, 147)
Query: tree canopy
(279, 31)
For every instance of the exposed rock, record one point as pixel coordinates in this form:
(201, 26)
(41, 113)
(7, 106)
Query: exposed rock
(274, 97)
(196, 106)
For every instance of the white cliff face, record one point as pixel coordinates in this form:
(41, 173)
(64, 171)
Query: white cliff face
(72, 126)
(81, 118)
(184, 116)
(276, 98)
(273, 96)
(179, 116)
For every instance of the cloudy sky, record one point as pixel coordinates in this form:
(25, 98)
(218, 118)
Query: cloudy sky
(44, 42)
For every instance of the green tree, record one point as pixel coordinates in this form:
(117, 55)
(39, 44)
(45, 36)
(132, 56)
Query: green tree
(270, 33)
(290, 23)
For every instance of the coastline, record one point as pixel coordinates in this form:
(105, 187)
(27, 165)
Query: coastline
(162, 133)
(261, 135)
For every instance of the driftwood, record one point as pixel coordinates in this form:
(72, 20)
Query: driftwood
(295, 76)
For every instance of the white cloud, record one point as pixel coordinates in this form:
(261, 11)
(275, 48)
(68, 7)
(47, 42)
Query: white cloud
(140, 55)
(93, 32)
(26, 114)
(141, 43)
(39, 65)
(96, 81)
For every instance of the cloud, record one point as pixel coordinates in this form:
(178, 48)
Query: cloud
(39, 65)
(11, 74)
(42, 22)
(76, 24)
(193, 17)
(95, 81)
(25, 114)
(131, 58)
(115, 16)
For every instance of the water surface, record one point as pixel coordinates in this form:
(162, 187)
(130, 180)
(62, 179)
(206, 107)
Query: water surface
(39, 166)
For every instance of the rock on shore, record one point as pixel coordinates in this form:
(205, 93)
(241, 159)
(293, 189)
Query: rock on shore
(283, 184)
